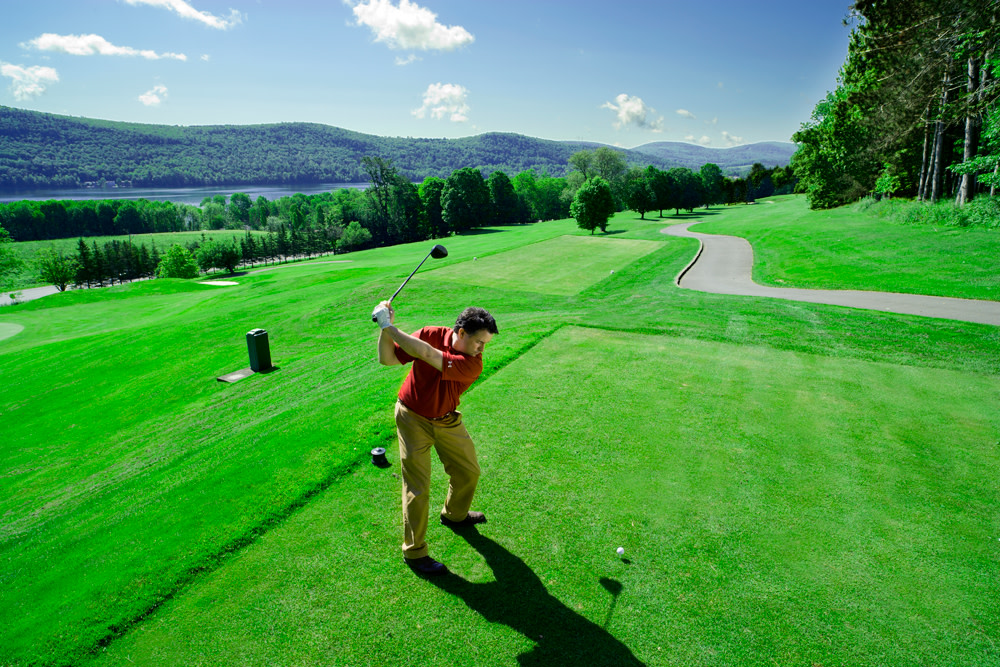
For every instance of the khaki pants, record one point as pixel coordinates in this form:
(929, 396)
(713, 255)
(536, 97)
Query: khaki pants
(458, 454)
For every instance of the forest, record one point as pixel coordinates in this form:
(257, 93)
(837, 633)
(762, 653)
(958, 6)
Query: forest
(39, 151)
(915, 112)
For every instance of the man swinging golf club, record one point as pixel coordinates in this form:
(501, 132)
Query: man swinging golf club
(445, 363)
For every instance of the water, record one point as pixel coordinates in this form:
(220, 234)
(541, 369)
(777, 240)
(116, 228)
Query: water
(192, 196)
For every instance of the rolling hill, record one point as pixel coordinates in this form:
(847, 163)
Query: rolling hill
(40, 150)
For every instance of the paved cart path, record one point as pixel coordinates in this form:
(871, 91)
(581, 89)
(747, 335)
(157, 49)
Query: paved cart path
(724, 265)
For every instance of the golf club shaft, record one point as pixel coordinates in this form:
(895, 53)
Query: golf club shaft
(410, 276)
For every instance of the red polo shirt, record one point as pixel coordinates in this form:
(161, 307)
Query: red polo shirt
(426, 390)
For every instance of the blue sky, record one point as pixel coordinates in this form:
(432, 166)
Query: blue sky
(624, 73)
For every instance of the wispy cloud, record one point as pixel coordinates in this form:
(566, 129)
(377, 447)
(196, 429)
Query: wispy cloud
(90, 45)
(445, 100)
(186, 11)
(407, 60)
(152, 98)
(731, 140)
(409, 26)
(686, 114)
(28, 82)
(704, 141)
(632, 111)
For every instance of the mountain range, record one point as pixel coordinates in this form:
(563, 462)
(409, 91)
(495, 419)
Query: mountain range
(41, 150)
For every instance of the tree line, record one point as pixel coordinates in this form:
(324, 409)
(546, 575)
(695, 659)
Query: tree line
(391, 210)
(915, 111)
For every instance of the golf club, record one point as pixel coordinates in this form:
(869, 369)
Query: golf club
(437, 252)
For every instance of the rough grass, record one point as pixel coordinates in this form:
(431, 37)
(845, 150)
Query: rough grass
(135, 490)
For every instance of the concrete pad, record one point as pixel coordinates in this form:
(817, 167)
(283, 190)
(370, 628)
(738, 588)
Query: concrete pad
(235, 375)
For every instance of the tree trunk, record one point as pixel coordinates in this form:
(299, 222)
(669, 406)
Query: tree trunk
(966, 188)
(937, 174)
(924, 167)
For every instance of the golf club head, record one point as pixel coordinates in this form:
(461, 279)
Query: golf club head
(439, 252)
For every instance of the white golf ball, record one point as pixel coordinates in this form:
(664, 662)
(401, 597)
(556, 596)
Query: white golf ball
(621, 551)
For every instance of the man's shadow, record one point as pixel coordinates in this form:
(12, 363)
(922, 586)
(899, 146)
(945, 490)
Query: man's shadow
(519, 599)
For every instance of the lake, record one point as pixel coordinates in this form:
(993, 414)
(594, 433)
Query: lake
(177, 195)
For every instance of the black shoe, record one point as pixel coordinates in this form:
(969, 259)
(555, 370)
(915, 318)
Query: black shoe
(426, 566)
(471, 519)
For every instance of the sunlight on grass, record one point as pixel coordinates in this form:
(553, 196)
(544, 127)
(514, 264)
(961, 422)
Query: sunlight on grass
(565, 265)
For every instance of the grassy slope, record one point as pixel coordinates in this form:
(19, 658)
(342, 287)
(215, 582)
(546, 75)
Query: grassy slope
(141, 474)
(843, 249)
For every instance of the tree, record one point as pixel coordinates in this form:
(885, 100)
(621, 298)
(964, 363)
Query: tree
(430, 195)
(582, 161)
(663, 187)
(465, 200)
(711, 179)
(593, 205)
(10, 262)
(610, 165)
(85, 271)
(381, 175)
(687, 189)
(355, 237)
(503, 198)
(239, 208)
(639, 195)
(55, 268)
(177, 263)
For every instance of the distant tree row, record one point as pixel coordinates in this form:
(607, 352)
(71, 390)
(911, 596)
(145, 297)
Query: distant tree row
(391, 210)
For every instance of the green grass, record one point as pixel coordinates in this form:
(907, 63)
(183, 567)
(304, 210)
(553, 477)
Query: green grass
(793, 481)
(847, 249)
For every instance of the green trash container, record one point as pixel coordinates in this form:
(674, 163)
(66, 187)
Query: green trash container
(260, 353)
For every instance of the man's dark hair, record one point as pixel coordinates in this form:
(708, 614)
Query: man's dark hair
(475, 319)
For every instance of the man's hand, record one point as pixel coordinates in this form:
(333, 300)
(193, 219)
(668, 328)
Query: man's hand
(383, 314)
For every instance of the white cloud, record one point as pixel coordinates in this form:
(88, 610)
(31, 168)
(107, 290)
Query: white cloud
(89, 45)
(407, 60)
(704, 141)
(206, 57)
(714, 121)
(152, 98)
(409, 26)
(731, 140)
(28, 82)
(685, 113)
(633, 111)
(445, 99)
(184, 10)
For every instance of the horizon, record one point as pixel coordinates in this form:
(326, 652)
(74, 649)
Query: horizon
(716, 77)
(470, 136)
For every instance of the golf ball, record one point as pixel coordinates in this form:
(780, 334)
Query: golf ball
(621, 551)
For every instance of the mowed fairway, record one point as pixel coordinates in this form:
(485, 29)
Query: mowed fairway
(791, 482)
(770, 513)
(564, 265)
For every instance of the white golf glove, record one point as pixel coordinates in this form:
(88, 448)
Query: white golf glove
(382, 315)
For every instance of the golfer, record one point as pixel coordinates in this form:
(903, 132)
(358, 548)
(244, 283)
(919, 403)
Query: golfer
(445, 363)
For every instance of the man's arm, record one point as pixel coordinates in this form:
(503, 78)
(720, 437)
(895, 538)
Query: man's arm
(411, 345)
(386, 349)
